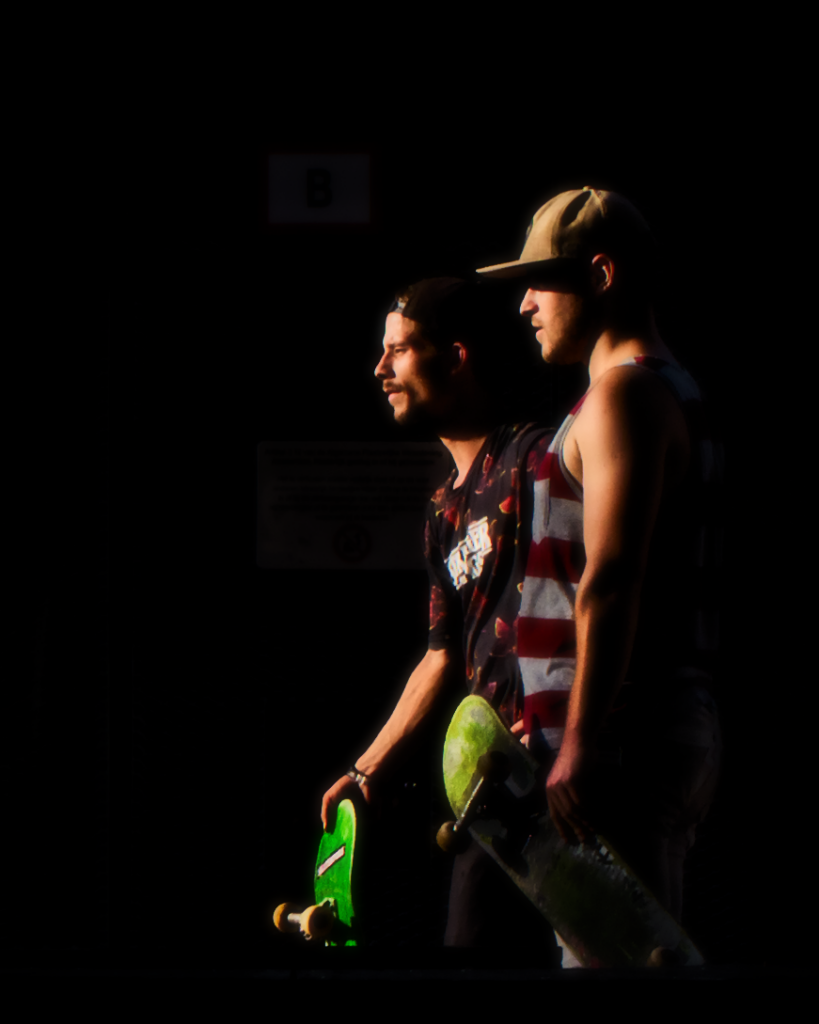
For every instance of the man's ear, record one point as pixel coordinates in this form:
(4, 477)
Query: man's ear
(459, 357)
(603, 271)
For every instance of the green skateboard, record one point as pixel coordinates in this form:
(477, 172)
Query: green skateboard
(332, 917)
(603, 913)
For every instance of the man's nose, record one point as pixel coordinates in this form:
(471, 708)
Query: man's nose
(528, 305)
(383, 369)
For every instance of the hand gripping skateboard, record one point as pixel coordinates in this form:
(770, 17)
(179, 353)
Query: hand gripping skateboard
(332, 917)
(589, 896)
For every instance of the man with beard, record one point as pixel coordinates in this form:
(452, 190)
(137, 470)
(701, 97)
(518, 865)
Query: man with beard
(443, 362)
(617, 631)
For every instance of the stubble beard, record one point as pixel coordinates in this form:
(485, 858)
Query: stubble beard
(407, 411)
(416, 409)
(415, 416)
(421, 415)
(576, 334)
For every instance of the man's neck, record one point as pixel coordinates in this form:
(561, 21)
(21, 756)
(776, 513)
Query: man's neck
(615, 346)
(463, 450)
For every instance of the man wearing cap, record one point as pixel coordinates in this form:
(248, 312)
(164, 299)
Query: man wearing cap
(445, 351)
(616, 635)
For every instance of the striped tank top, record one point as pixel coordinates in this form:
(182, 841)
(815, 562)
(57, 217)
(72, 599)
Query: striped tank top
(676, 637)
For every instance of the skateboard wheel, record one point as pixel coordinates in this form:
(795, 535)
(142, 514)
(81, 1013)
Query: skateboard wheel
(664, 957)
(281, 914)
(494, 767)
(451, 841)
(317, 922)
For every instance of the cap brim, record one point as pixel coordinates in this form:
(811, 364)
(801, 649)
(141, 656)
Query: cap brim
(543, 269)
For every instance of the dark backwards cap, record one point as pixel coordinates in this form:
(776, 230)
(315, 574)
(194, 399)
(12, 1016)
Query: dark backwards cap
(445, 306)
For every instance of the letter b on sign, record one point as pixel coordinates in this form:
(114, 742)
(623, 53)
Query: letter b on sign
(314, 188)
(319, 192)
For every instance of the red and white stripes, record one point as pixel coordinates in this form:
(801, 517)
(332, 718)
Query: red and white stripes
(546, 630)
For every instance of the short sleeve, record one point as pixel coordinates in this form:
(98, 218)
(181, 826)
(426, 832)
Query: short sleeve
(444, 609)
(537, 449)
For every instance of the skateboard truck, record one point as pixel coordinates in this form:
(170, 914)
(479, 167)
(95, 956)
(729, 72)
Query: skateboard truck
(315, 922)
(493, 768)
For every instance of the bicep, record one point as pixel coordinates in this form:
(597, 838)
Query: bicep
(623, 444)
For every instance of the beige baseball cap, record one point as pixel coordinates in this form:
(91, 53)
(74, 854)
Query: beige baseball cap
(568, 227)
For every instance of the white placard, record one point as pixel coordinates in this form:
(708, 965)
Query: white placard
(344, 504)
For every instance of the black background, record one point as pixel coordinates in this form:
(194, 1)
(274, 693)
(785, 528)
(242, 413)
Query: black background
(180, 711)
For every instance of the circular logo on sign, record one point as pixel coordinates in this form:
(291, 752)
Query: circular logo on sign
(352, 543)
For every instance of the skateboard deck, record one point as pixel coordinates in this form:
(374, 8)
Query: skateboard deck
(589, 896)
(332, 917)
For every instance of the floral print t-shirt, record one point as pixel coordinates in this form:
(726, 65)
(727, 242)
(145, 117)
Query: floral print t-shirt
(476, 544)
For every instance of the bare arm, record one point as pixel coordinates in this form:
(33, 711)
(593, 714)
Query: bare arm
(628, 441)
(428, 679)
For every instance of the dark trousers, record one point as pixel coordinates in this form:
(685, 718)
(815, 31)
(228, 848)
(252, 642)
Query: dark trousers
(650, 806)
(488, 911)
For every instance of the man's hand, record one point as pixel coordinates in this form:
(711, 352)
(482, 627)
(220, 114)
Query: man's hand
(570, 771)
(428, 679)
(341, 790)
(566, 788)
(517, 730)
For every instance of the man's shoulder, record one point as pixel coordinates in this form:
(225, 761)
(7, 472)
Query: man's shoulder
(628, 393)
(627, 414)
(512, 454)
(514, 440)
(442, 494)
